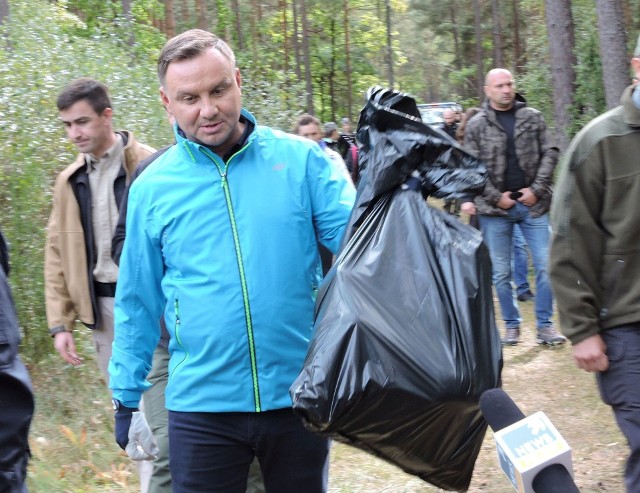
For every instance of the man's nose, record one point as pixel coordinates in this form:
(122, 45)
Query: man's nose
(73, 131)
(209, 108)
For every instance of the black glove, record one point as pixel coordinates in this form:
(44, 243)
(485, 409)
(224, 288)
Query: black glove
(133, 433)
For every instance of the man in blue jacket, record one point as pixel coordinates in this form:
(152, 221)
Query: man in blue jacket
(222, 234)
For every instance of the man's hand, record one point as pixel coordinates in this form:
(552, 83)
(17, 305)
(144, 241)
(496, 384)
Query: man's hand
(528, 198)
(64, 344)
(591, 354)
(134, 435)
(468, 208)
(506, 202)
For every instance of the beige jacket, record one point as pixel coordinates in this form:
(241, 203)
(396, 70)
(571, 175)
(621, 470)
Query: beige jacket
(68, 292)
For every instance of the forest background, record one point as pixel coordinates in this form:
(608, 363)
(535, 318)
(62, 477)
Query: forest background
(570, 59)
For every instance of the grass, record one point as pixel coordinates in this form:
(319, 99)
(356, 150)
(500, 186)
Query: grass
(72, 444)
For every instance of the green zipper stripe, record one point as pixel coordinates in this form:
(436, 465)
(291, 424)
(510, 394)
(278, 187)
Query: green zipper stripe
(176, 308)
(243, 281)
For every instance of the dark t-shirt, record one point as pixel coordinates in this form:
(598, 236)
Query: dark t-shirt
(514, 176)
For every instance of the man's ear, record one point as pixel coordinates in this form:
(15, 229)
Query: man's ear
(107, 113)
(238, 79)
(635, 66)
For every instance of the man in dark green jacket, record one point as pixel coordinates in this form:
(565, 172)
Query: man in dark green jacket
(595, 260)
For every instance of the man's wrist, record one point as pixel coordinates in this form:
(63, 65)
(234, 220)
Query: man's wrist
(120, 408)
(57, 330)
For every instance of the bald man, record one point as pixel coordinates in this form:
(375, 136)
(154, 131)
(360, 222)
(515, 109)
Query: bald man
(512, 139)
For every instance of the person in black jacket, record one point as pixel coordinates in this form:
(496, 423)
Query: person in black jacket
(16, 394)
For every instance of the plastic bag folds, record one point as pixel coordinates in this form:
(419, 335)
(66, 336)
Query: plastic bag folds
(405, 340)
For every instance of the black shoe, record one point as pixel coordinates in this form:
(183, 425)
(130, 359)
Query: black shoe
(511, 337)
(526, 296)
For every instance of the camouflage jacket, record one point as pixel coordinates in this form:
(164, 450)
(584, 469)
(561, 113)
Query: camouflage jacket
(537, 156)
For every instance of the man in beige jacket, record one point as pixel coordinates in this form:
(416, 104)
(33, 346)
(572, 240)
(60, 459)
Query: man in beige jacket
(80, 276)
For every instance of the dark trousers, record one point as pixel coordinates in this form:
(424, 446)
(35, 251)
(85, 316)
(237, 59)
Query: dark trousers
(620, 389)
(212, 452)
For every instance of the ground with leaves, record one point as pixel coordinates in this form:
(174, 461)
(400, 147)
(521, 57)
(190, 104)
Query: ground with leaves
(73, 449)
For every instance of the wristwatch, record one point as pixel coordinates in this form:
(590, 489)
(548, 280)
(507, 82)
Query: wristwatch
(120, 407)
(117, 405)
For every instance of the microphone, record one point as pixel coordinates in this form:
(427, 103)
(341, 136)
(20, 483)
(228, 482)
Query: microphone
(531, 452)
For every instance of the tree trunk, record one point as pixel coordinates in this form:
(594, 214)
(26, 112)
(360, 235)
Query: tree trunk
(4, 11)
(479, 66)
(169, 19)
(282, 5)
(347, 52)
(236, 11)
(254, 23)
(126, 10)
(296, 41)
(201, 13)
(389, 46)
(613, 50)
(498, 44)
(185, 16)
(306, 55)
(517, 42)
(563, 60)
(332, 69)
(458, 56)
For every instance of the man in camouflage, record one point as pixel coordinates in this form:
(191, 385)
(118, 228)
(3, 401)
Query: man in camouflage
(513, 141)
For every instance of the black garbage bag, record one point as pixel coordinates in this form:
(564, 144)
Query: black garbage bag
(395, 144)
(405, 339)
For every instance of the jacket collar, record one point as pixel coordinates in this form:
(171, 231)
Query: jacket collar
(182, 140)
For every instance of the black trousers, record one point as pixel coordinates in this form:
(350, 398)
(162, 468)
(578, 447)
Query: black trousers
(620, 389)
(212, 452)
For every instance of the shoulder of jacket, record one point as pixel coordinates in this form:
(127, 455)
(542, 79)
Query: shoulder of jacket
(608, 124)
(71, 169)
(528, 112)
(480, 118)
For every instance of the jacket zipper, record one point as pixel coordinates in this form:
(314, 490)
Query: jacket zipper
(176, 309)
(243, 282)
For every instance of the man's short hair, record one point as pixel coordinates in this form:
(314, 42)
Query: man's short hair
(189, 45)
(329, 128)
(304, 120)
(85, 88)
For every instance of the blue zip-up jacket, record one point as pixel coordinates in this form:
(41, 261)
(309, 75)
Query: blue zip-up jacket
(229, 253)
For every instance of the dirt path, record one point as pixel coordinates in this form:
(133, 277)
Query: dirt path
(538, 379)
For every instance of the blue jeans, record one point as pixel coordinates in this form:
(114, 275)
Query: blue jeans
(498, 235)
(619, 389)
(520, 261)
(212, 452)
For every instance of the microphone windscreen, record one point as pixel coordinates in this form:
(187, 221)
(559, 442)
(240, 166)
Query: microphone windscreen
(554, 479)
(499, 410)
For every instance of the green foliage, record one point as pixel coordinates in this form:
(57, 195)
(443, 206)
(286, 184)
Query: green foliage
(589, 97)
(38, 57)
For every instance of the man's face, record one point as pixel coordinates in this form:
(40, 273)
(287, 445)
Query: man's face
(90, 132)
(449, 117)
(310, 131)
(500, 90)
(346, 127)
(203, 95)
